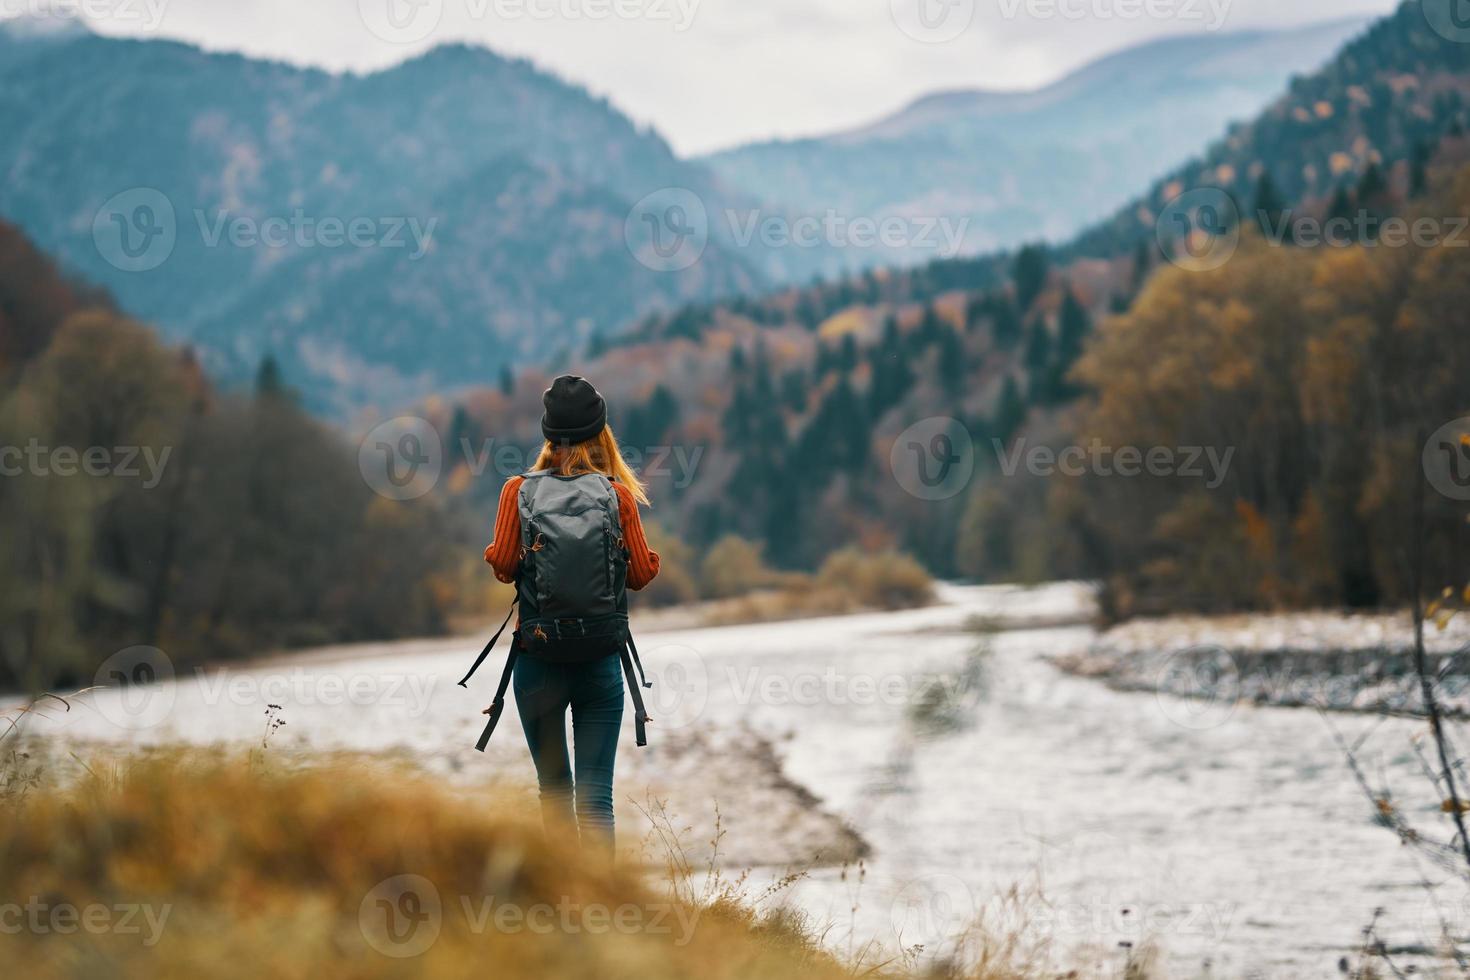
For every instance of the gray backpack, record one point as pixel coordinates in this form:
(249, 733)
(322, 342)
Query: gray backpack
(571, 584)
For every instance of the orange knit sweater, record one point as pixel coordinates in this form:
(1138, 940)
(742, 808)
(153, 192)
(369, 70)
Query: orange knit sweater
(504, 553)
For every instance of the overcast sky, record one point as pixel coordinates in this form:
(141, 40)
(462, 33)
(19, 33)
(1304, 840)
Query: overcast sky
(713, 73)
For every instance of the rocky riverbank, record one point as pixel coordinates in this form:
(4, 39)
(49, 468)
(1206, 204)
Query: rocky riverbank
(1329, 660)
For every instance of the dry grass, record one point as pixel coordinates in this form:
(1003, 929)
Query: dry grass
(849, 581)
(224, 865)
(232, 871)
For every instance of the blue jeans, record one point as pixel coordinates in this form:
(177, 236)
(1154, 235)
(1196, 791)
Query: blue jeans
(594, 692)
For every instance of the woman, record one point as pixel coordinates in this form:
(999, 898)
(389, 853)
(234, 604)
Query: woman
(579, 444)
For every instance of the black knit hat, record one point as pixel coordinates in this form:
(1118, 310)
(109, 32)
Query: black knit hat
(575, 412)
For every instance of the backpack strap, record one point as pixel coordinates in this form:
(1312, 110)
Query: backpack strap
(498, 705)
(486, 652)
(640, 714)
(633, 647)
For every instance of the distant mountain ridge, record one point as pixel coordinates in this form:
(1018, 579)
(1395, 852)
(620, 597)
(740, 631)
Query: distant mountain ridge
(526, 180)
(1040, 164)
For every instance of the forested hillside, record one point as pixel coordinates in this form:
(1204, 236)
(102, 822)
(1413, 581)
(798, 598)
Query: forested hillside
(795, 400)
(140, 506)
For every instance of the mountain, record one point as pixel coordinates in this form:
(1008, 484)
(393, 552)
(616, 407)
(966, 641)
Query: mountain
(1023, 166)
(491, 203)
(811, 386)
(1368, 123)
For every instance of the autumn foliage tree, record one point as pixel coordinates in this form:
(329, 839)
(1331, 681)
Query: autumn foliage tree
(1320, 369)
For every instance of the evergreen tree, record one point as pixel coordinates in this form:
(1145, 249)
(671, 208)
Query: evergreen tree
(1372, 184)
(1010, 412)
(1142, 262)
(793, 391)
(1037, 360)
(655, 418)
(931, 329)
(268, 382)
(951, 353)
(1419, 169)
(1072, 332)
(1007, 329)
(1373, 199)
(1029, 273)
(462, 431)
(847, 357)
(1270, 211)
(1342, 208)
(507, 380)
(977, 310)
(890, 371)
(808, 314)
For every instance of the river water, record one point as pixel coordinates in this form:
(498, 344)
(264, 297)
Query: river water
(1230, 838)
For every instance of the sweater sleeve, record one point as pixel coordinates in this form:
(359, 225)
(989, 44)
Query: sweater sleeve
(504, 553)
(643, 563)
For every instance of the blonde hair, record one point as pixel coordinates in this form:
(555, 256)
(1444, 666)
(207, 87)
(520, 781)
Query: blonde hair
(600, 454)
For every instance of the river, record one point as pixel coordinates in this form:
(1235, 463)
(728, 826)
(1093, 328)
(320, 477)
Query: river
(1232, 838)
